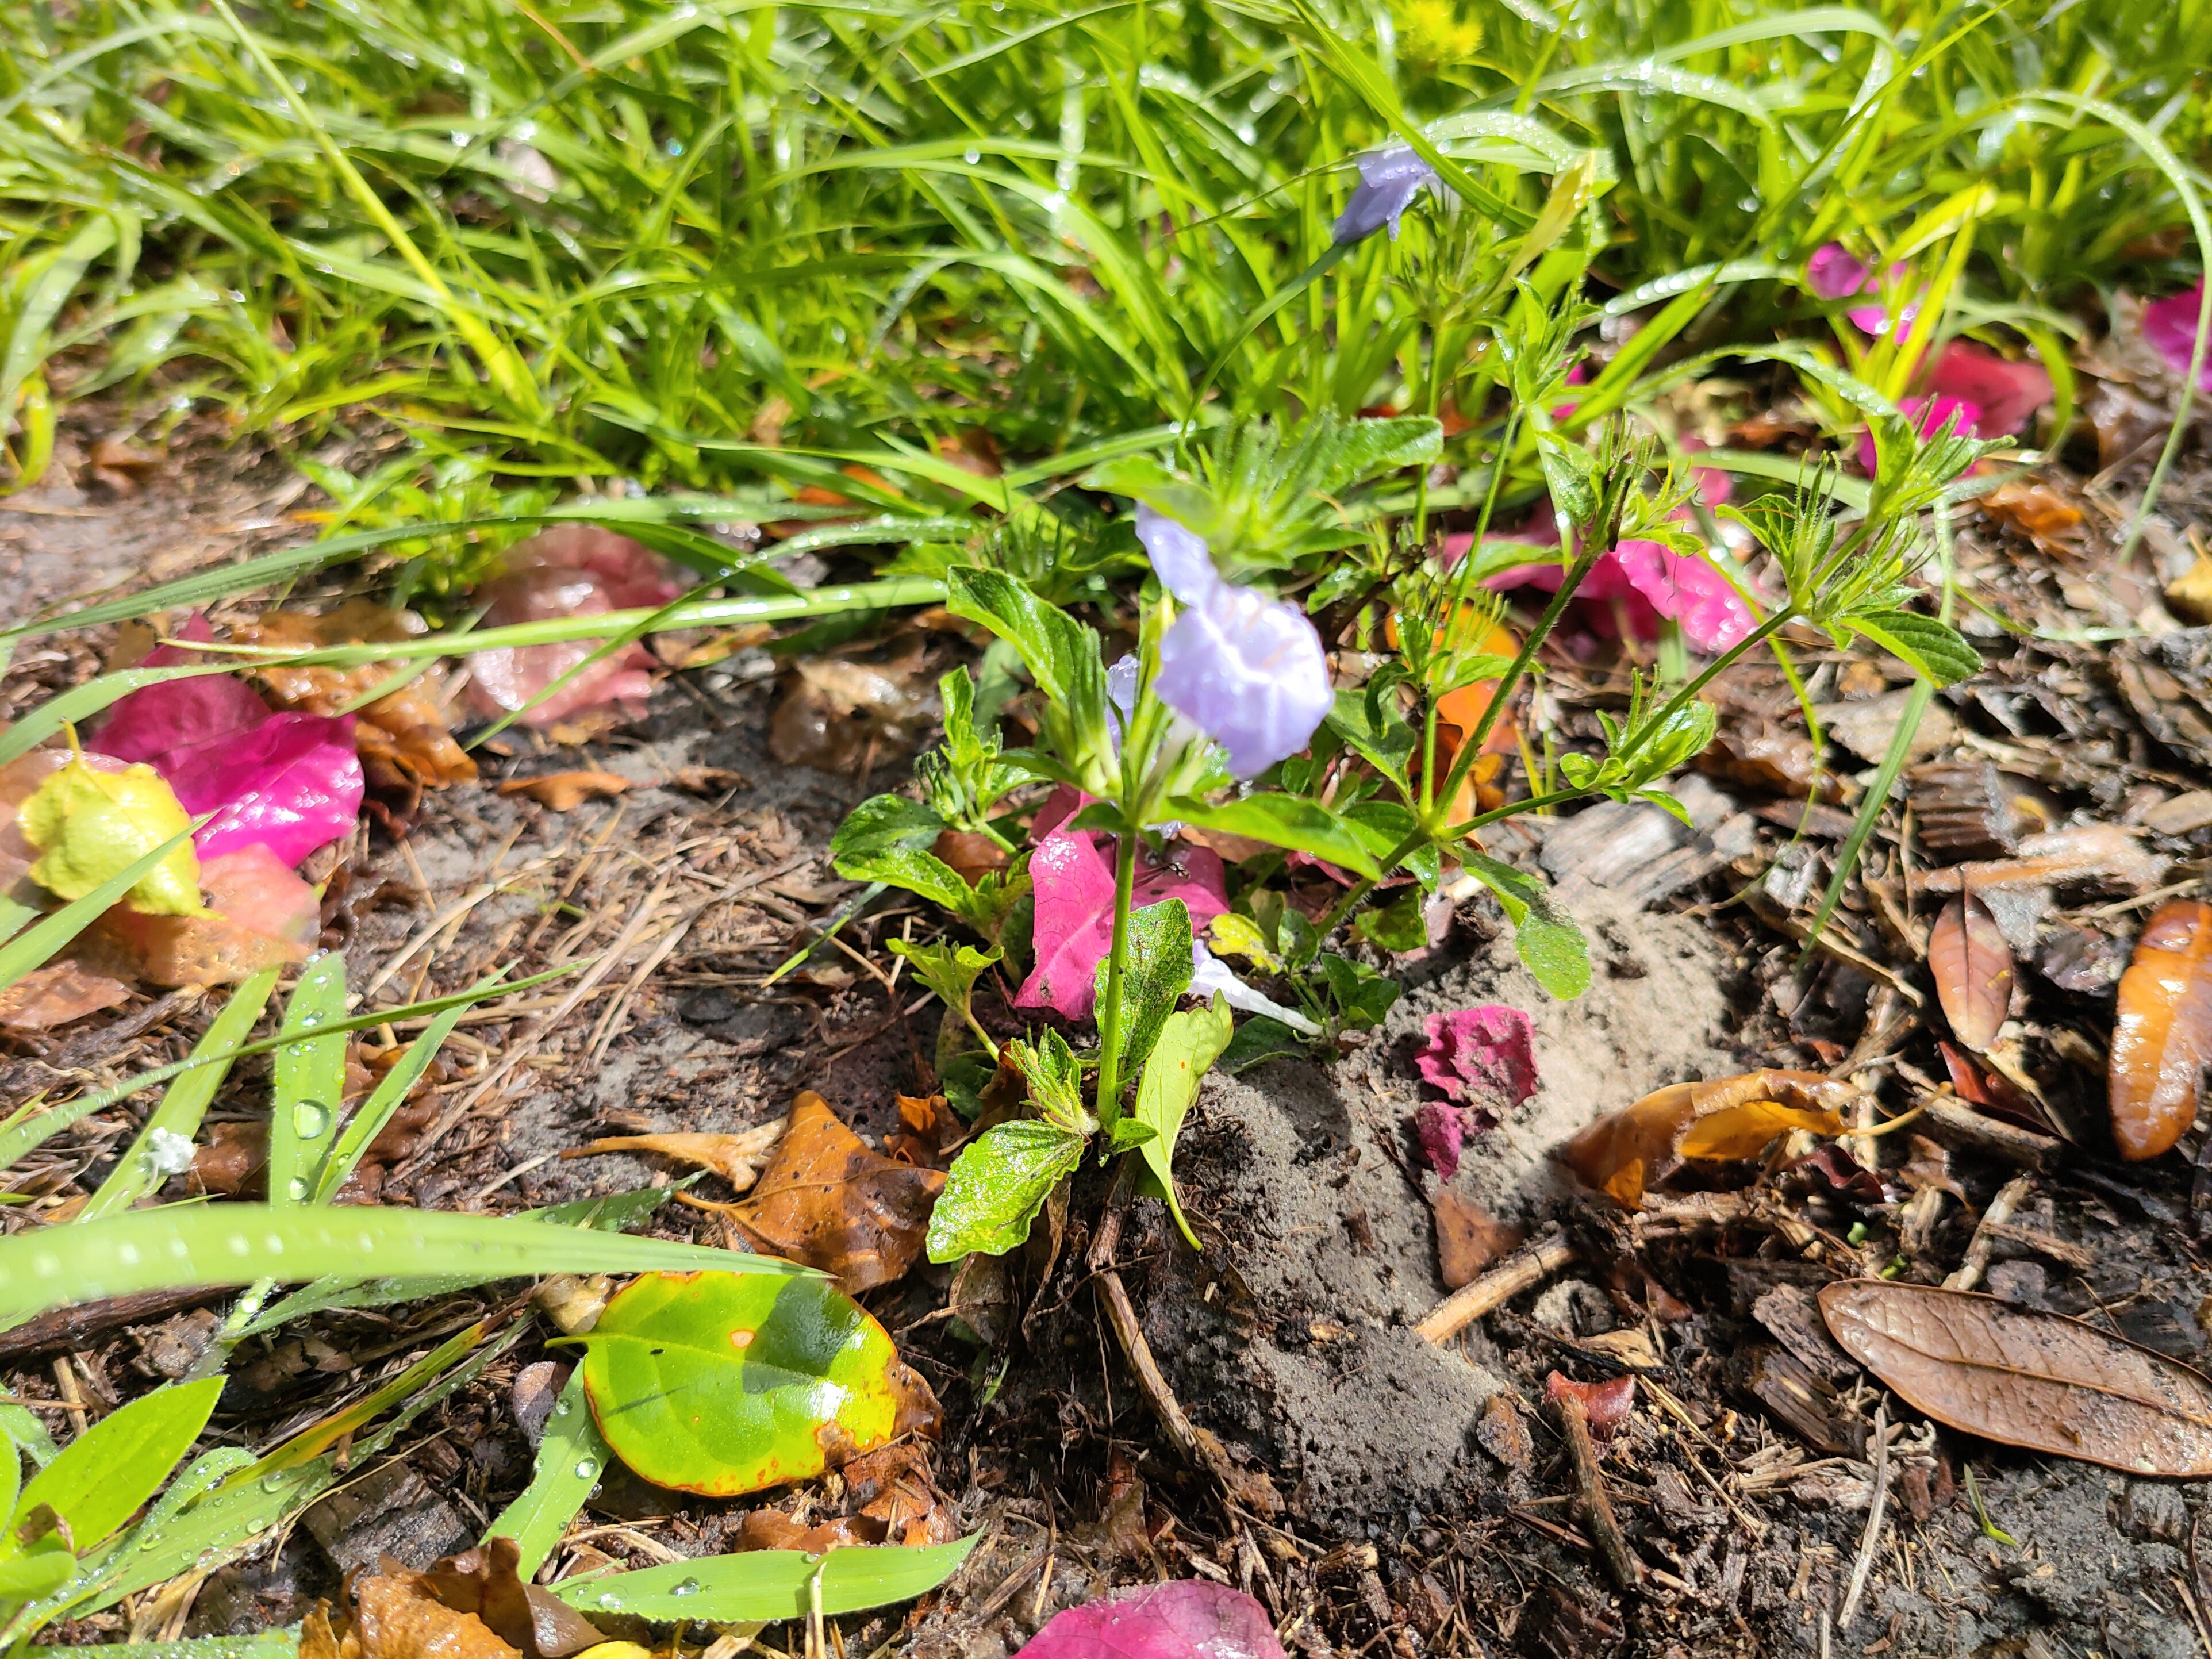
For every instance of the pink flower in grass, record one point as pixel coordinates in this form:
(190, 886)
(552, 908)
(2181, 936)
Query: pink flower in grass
(1833, 274)
(2003, 394)
(2170, 326)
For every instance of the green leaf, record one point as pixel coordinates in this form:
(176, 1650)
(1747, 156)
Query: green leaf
(758, 1586)
(1289, 821)
(1155, 974)
(40, 1573)
(29, 951)
(11, 1475)
(185, 1101)
(1369, 722)
(1189, 1043)
(881, 824)
(281, 1642)
(1399, 926)
(570, 1459)
(391, 1093)
(950, 971)
(997, 1184)
(309, 1081)
(21, 1424)
(1261, 1038)
(242, 1243)
(1567, 471)
(1548, 942)
(1363, 996)
(101, 1476)
(924, 873)
(1054, 1078)
(719, 1383)
(1053, 645)
(1934, 650)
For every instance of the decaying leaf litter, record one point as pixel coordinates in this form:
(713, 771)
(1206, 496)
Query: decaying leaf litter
(1833, 1154)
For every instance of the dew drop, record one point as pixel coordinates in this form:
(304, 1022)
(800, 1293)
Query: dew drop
(609, 1600)
(310, 1118)
(273, 1482)
(684, 1587)
(240, 1244)
(587, 1468)
(972, 157)
(297, 1187)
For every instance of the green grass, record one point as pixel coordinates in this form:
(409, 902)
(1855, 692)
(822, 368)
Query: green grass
(587, 239)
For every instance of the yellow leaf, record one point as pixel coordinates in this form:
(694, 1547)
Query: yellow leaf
(90, 825)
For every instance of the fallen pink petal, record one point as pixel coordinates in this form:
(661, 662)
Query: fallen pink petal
(2004, 394)
(1605, 1406)
(1683, 588)
(1443, 1131)
(1182, 1619)
(2170, 326)
(1073, 877)
(255, 889)
(1484, 1055)
(291, 784)
(572, 570)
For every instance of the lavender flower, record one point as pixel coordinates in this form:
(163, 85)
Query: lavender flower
(1389, 181)
(1179, 557)
(1250, 672)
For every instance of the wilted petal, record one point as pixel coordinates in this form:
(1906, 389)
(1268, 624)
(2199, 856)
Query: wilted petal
(1209, 974)
(572, 570)
(1181, 1618)
(1683, 588)
(292, 784)
(1487, 1055)
(1180, 559)
(2170, 326)
(2003, 394)
(1073, 874)
(1389, 181)
(1250, 672)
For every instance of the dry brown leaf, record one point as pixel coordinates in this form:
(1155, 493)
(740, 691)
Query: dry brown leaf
(2163, 1033)
(1469, 1238)
(464, 1607)
(2104, 853)
(1972, 967)
(1639, 1146)
(482, 1582)
(2025, 1379)
(827, 1201)
(772, 1529)
(2033, 509)
(973, 855)
(563, 791)
(56, 994)
(841, 716)
(737, 1159)
(397, 1617)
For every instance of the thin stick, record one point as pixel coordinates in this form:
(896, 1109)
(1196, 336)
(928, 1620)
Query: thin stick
(1523, 1270)
(1872, 1536)
(1623, 1567)
(2009, 1199)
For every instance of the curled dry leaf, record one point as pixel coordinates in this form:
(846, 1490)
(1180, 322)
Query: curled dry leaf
(827, 1200)
(2107, 854)
(465, 1606)
(2035, 510)
(56, 994)
(1469, 1238)
(2163, 1033)
(563, 792)
(1972, 967)
(1605, 1406)
(737, 1159)
(836, 715)
(1639, 1146)
(2026, 1378)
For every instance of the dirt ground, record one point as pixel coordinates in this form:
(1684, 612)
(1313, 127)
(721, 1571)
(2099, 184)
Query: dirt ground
(1390, 1493)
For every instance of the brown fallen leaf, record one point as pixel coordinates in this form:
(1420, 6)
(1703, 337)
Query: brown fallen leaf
(927, 1125)
(1469, 1238)
(464, 1607)
(2103, 853)
(893, 1487)
(2035, 510)
(827, 1201)
(482, 1582)
(972, 854)
(737, 1159)
(563, 791)
(707, 780)
(772, 1529)
(234, 1158)
(56, 994)
(1972, 967)
(2163, 1033)
(1626, 1151)
(2021, 1377)
(837, 715)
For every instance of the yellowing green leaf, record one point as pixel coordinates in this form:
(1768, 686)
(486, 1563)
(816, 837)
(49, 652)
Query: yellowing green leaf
(89, 826)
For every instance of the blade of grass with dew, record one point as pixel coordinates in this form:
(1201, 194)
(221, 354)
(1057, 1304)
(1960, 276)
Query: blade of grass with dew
(571, 1457)
(185, 1102)
(307, 1082)
(240, 1244)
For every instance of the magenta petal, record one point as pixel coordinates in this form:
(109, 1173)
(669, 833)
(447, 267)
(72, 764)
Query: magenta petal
(1063, 804)
(1487, 1055)
(1182, 1618)
(1686, 589)
(572, 570)
(1832, 274)
(2170, 326)
(293, 784)
(2003, 394)
(1441, 1131)
(180, 714)
(1073, 877)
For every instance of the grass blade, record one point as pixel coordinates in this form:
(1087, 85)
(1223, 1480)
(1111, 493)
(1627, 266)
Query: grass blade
(769, 1584)
(309, 1080)
(569, 1460)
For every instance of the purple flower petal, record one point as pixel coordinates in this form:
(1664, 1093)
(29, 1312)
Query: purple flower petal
(1250, 672)
(293, 784)
(1686, 590)
(1073, 877)
(1389, 181)
(1179, 557)
(1487, 1055)
(1182, 1618)
(2170, 326)
(1832, 274)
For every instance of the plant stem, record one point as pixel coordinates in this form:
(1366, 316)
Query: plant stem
(1110, 1010)
(1682, 699)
